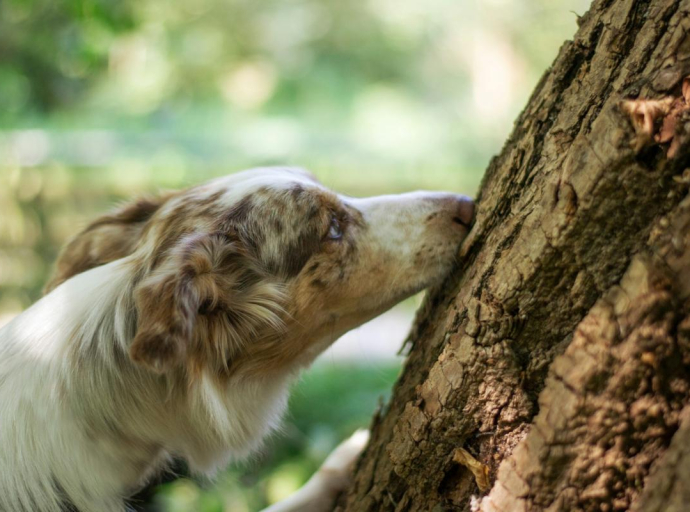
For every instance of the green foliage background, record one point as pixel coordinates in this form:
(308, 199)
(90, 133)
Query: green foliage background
(101, 100)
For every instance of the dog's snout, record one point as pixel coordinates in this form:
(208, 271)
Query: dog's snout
(463, 210)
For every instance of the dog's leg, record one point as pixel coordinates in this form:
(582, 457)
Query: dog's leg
(319, 493)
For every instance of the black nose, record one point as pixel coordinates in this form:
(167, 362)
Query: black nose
(464, 211)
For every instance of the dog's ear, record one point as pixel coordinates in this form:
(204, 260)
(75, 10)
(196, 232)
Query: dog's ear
(201, 305)
(108, 238)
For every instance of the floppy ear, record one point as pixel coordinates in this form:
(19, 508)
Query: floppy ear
(108, 238)
(207, 299)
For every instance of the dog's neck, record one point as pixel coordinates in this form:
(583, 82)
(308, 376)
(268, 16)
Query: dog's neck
(64, 362)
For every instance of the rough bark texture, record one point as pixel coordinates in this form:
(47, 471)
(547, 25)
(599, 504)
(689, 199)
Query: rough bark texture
(558, 354)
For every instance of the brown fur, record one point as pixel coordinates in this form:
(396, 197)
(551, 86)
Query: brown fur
(201, 304)
(215, 289)
(224, 284)
(109, 238)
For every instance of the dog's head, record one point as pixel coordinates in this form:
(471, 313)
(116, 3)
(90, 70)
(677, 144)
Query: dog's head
(263, 269)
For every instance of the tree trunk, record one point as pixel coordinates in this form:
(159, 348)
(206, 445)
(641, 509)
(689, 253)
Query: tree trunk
(552, 370)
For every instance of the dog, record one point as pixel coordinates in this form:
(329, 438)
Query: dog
(175, 326)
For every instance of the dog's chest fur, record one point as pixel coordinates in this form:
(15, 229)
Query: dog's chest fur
(97, 423)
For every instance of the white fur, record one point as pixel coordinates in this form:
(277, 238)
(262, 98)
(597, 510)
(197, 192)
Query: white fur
(96, 423)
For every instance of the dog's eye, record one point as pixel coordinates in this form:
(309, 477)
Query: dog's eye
(334, 231)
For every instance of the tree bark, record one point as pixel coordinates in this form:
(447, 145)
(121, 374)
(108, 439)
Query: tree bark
(552, 370)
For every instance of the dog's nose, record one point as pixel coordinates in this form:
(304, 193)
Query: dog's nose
(463, 210)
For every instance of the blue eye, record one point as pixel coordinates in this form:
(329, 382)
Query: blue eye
(334, 231)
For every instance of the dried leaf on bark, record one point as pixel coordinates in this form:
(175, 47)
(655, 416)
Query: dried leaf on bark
(479, 470)
(666, 113)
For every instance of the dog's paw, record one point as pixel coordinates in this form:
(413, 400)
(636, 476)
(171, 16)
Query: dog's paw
(320, 492)
(341, 460)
